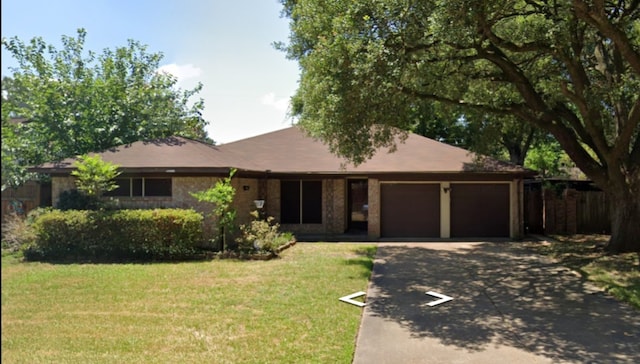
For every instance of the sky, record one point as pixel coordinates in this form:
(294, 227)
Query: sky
(225, 45)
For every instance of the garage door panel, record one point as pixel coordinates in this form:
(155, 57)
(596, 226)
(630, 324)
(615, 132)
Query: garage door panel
(479, 210)
(410, 210)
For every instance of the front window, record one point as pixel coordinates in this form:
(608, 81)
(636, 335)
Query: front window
(301, 202)
(141, 187)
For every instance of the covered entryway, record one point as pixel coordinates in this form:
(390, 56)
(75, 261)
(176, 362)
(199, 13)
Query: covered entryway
(357, 206)
(410, 210)
(479, 210)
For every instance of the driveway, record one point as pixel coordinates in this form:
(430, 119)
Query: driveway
(509, 305)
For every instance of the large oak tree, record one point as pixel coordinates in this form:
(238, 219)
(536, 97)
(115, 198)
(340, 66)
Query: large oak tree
(571, 68)
(58, 103)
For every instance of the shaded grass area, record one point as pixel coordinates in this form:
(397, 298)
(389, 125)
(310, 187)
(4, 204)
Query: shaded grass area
(284, 310)
(619, 275)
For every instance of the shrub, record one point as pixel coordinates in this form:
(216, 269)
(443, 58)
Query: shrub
(221, 196)
(76, 200)
(95, 176)
(115, 235)
(262, 236)
(16, 232)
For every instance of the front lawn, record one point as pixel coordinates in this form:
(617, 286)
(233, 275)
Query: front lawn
(284, 310)
(619, 275)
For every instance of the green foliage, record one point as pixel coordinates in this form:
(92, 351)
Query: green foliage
(221, 195)
(499, 136)
(549, 160)
(109, 235)
(75, 200)
(366, 63)
(262, 236)
(95, 176)
(59, 103)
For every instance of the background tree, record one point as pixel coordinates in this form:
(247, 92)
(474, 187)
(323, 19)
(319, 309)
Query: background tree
(569, 67)
(502, 136)
(65, 102)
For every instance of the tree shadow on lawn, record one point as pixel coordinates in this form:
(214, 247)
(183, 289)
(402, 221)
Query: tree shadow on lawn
(364, 258)
(504, 294)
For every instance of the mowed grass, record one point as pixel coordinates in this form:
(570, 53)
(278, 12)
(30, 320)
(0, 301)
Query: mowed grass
(618, 274)
(284, 310)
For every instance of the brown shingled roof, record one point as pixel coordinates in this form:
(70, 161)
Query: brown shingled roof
(290, 150)
(175, 153)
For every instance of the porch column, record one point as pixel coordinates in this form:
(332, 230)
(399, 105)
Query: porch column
(373, 226)
(445, 210)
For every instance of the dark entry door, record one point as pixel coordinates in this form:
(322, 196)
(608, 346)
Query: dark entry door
(358, 206)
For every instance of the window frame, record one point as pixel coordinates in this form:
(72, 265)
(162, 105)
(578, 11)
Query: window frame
(309, 208)
(138, 187)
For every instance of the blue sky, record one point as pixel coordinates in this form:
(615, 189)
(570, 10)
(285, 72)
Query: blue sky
(225, 45)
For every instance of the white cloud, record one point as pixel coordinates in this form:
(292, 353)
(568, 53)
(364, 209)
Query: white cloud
(181, 72)
(281, 104)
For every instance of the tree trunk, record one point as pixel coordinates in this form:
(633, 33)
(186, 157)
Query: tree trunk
(625, 219)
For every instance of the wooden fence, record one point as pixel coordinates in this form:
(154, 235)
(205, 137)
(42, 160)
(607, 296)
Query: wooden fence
(25, 198)
(567, 212)
(593, 213)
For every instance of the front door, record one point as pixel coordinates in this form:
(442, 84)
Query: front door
(358, 206)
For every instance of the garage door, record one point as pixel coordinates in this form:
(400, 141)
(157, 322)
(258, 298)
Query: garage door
(479, 210)
(410, 210)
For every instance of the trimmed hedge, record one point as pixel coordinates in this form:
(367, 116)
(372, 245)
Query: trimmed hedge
(163, 234)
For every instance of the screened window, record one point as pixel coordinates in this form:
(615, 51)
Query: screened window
(301, 202)
(142, 187)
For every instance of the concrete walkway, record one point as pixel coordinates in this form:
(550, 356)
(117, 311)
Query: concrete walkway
(509, 306)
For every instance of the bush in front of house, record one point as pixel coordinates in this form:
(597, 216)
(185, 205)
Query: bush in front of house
(159, 234)
(262, 236)
(76, 200)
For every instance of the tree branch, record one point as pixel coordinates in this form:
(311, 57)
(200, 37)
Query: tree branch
(627, 132)
(456, 102)
(597, 18)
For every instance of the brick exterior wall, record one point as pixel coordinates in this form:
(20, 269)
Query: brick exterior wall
(374, 209)
(334, 199)
(247, 190)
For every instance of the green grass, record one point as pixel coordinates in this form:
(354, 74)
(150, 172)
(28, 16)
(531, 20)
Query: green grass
(619, 274)
(284, 310)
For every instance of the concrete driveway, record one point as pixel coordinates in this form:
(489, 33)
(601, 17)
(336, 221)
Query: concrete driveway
(509, 306)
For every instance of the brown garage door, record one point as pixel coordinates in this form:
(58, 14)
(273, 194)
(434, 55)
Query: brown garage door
(410, 210)
(479, 210)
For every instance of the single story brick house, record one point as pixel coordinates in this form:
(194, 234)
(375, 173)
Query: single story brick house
(425, 189)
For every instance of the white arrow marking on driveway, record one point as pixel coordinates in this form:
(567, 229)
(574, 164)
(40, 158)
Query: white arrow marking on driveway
(442, 298)
(349, 299)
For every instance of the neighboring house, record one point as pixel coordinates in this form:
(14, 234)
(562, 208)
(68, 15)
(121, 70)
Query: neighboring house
(425, 189)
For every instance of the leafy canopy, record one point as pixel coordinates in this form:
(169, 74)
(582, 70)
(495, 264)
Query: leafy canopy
(569, 68)
(59, 103)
